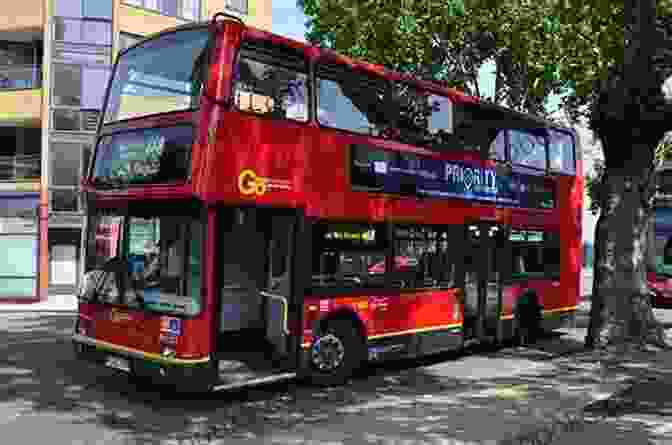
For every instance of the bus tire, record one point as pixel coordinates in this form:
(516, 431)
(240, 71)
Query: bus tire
(336, 354)
(527, 320)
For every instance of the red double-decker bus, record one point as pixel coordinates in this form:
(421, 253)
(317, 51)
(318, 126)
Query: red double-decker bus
(259, 208)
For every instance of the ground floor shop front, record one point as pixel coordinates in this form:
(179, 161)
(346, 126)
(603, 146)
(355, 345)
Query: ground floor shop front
(39, 254)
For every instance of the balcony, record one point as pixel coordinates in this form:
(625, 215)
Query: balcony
(20, 77)
(20, 167)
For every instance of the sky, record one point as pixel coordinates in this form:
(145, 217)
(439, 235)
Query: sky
(288, 20)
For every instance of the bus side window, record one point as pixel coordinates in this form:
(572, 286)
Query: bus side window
(348, 255)
(271, 81)
(535, 253)
(422, 258)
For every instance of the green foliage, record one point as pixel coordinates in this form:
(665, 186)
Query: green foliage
(450, 39)
(541, 47)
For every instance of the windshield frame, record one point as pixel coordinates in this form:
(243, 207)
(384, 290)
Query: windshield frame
(108, 88)
(191, 210)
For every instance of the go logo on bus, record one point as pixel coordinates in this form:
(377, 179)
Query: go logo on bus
(251, 184)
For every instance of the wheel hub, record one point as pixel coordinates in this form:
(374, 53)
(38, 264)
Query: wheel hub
(327, 353)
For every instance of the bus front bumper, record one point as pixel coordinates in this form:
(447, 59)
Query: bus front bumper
(158, 369)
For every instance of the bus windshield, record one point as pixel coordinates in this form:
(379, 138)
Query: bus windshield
(158, 76)
(148, 261)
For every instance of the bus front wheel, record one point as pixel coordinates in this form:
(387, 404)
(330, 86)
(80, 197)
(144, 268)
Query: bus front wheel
(335, 354)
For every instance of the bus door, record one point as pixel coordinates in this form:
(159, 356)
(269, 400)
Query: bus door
(483, 263)
(259, 299)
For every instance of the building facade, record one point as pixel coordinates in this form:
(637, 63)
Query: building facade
(55, 60)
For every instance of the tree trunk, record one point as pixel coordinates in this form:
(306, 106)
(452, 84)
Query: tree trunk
(628, 116)
(621, 309)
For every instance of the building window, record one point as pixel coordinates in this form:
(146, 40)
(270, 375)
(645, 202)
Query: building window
(237, 5)
(95, 32)
(20, 65)
(100, 9)
(63, 200)
(79, 86)
(186, 9)
(19, 244)
(68, 164)
(65, 163)
(94, 82)
(67, 89)
(190, 9)
(20, 156)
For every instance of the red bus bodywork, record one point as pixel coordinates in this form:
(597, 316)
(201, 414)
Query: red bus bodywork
(304, 166)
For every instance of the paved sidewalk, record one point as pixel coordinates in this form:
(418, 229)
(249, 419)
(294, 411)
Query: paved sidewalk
(54, 303)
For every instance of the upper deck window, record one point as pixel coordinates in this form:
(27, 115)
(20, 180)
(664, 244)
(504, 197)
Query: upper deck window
(364, 104)
(157, 155)
(421, 118)
(271, 81)
(561, 152)
(159, 76)
(528, 148)
(351, 101)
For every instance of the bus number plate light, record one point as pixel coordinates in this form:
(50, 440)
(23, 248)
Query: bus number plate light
(171, 325)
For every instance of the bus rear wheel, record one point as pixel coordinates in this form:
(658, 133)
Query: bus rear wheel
(335, 354)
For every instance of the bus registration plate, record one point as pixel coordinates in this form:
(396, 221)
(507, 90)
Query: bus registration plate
(118, 363)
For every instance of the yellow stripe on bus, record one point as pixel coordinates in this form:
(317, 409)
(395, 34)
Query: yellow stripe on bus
(148, 355)
(546, 312)
(410, 331)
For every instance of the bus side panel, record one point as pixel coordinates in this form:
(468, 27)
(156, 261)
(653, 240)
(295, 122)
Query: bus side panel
(425, 313)
(418, 311)
(570, 192)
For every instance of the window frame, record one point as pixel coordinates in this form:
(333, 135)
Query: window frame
(269, 54)
(82, 21)
(547, 149)
(531, 132)
(574, 153)
(336, 69)
(83, 167)
(383, 245)
(551, 240)
(451, 231)
(193, 215)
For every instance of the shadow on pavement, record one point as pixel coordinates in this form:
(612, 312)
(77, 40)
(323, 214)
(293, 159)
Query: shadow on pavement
(491, 395)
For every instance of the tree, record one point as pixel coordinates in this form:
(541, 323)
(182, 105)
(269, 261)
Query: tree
(613, 58)
(449, 40)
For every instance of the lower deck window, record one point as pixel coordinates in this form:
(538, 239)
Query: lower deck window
(349, 255)
(158, 261)
(535, 253)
